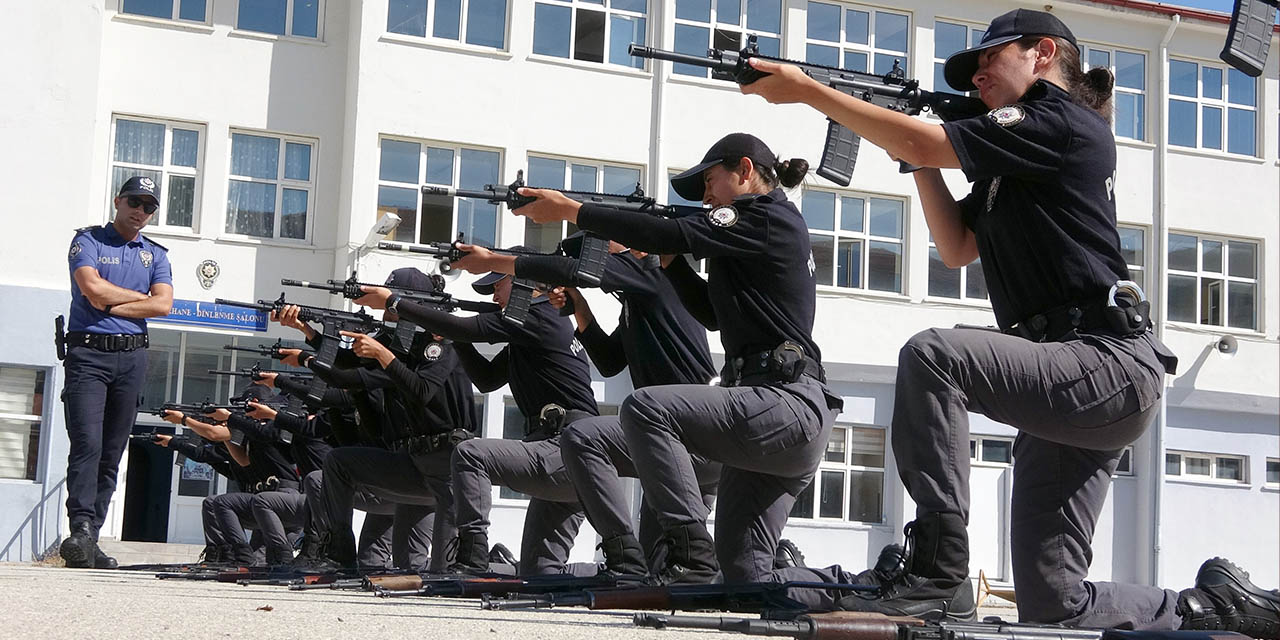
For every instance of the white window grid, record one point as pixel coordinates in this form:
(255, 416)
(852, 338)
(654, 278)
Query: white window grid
(843, 240)
(176, 11)
(872, 55)
(1133, 246)
(611, 14)
(463, 36)
(1216, 301)
(414, 234)
(573, 178)
(973, 282)
(1272, 478)
(723, 33)
(1125, 466)
(1223, 104)
(1206, 467)
(281, 183)
(990, 451)
(17, 448)
(837, 467)
(1102, 56)
(167, 172)
(288, 19)
(972, 37)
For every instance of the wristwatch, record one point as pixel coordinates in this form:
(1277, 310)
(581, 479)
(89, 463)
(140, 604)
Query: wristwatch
(107, 309)
(393, 303)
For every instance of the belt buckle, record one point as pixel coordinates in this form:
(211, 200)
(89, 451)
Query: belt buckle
(551, 411)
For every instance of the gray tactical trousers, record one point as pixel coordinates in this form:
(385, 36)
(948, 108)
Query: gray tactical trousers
(533, 468)
(393, 535)
(1077, 404)
(276, 513)
(769, 439)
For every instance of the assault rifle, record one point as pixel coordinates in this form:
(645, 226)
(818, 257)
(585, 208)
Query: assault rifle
(752, 597)
(892, 90)
(255, 373)
(850, 625)
(463, 586)
(332, 322)
(270, 351)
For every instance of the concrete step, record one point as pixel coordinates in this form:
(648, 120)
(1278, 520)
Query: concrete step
(127, 553)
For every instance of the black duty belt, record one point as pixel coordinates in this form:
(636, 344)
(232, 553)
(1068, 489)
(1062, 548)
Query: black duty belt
(107, 341)
(431, 443)
(273, 483)
(550, 421)
(1124, 312)
(785, 363)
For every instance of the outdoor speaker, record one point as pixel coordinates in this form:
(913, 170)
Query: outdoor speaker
(1249, 38)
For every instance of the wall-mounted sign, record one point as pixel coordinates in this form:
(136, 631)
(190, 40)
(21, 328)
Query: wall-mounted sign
(208, 314)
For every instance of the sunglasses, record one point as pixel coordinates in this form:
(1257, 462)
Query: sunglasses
(148, 207)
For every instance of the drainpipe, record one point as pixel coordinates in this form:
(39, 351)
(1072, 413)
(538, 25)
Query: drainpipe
(1161, 235)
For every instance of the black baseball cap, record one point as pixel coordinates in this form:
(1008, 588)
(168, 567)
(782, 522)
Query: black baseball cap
(961, 66)
(484, 286)
(412, 278)
(255, 392)
(729, 148)
(140, 186)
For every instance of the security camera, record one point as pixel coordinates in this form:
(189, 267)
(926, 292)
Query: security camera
(385, 225)
(1226, 345)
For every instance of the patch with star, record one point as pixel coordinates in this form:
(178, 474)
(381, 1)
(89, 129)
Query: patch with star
(723, 216)
(1007, 116)
(146, 257)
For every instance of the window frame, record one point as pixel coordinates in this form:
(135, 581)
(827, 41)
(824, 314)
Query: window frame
(845, 46)
(1224, 276)
(1143, 269)
(1086, 48)
(167, 170)
(173, 14)
(288, 23)
(847, 469)
(977, 445)
(712, 25)
(603, 6)
(455, 174)
(429, 29)
(965, 276)
(1267, 484)
(1224, 104)
(865, 237)
(969, 27)
(566, 227)
(1123, 470)
(281, 183)
(1213, 460)
(36, 471)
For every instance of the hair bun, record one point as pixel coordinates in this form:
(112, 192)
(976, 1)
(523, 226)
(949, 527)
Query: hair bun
(1099, 79)
(791, 172)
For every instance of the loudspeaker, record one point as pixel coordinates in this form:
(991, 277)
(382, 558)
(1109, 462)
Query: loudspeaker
(1249, 37)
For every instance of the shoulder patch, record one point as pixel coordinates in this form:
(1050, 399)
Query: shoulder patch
(1007, 116)
(75, 250)
(433, 352)
(723, 216)
(157, 244)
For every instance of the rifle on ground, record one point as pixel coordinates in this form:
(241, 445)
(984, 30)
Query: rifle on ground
(270, 351)
(840, 151)
(753, 597)
(851, 625)
(418, 585)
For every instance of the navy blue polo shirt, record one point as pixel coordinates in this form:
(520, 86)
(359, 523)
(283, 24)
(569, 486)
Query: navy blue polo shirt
(1042, 208)
(134, 265)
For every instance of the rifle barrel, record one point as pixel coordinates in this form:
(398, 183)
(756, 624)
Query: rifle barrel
(290, 282)
(641, 51)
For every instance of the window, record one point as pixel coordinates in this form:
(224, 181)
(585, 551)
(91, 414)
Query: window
(856, 38)
(484, 22)
(513, 429)
(178, 364)
(1133, 241)
(555, 173)
(406, 166)
(989, 450)
(299, 18)
(1206, 466)
(590, 30)
(1210, 105)
(849, 484)
(166, 152)
(725, 24)
(192, 10)
(856, 239)
(1130, 71)
(21, 420)
(1213, 281)
(948, 38)
(271, 186)
(966, 283)
(1125, 466)
(1273, 473)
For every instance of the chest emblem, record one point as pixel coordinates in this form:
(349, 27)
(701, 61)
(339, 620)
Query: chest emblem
(1007, 116)
(145, 257)
(723, 216)
(433, 351)
(207, 272)
(75, 250)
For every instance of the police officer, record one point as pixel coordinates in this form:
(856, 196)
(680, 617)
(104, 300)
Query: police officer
(657, 340)
(1075, 368)
(551, 383)
(769, 421)
(119, 278)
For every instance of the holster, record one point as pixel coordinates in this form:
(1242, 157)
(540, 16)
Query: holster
(785, 363)
(60, 337)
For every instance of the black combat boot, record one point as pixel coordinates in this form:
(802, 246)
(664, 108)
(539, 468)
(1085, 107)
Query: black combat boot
(472, 555)
(936, 583)
(1224, 599)
(212, 554)
(787, 555)
(77, 550)
(623, 557)
(102, 560)
(238, 554)
(690, 557)
(500, 554)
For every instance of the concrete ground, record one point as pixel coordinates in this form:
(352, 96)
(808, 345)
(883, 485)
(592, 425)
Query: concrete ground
(50, 602)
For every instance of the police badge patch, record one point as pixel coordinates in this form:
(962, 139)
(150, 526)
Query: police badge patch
(145, 257)
(207, 272)
(75, 250)
(1007, 116)
(723, 216)
(148, 184)
(433, 351)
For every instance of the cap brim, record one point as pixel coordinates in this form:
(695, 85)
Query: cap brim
(688, 184)
(961, 65)
(139, 192)
(484, 285)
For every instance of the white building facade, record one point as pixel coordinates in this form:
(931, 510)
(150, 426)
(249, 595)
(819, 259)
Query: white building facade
(280, 131)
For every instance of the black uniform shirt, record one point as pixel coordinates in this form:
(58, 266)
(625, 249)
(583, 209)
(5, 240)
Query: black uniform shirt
(265, 458)
(656, 337)
(760, 265)
(1042, 206)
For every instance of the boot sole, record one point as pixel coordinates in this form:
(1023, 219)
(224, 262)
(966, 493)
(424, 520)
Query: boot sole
(74, 555)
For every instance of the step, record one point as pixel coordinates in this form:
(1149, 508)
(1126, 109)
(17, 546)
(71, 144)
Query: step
(127, 553)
